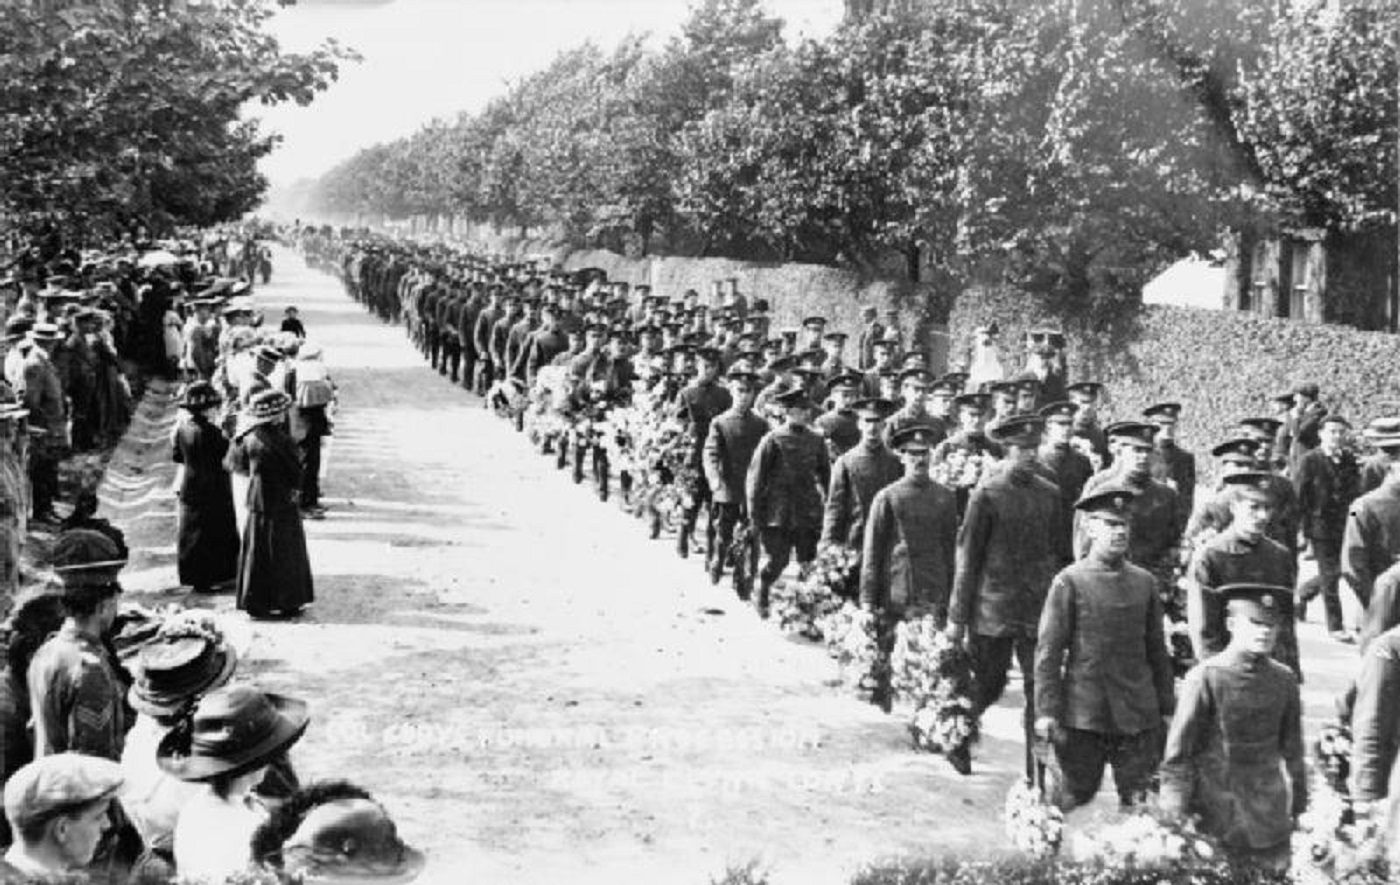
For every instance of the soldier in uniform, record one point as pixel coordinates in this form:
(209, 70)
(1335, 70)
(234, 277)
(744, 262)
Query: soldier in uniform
(730, 444)
(871, 332)
(858, 475)
(787, 478)
(908, 551)
(1085, 396)
(813, 328)
(59, 808)
(48, 415)
(1241, 553)
(1004, 400)
(838, 425)
(1159, 518)
(698, 405)
(1009, 547)
(1103, 674)
(1371, 538)
(1326, 480)
(1061, 463)
(76, 692)
(482, 332)
(1375, 740)
(1213, 512)
(1172, 464)
(882, 361)
(1234, 754)
(914, 387)
(834, 344)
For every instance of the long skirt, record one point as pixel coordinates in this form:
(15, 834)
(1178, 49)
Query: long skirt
(208, 543)
(274, 572)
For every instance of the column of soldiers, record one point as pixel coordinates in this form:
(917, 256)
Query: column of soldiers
(1083, 555)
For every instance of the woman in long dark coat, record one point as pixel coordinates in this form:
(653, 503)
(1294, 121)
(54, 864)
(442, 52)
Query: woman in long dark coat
(208, 541)
(274, 572)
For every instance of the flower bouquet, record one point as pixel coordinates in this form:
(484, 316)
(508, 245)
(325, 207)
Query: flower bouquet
(804, 604)
(1145, 841)
(932, 676)
(961, 469)
(1033, 826)
(852, 640)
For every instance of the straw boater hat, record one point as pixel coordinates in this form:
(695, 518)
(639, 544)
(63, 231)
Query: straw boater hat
(232, 731)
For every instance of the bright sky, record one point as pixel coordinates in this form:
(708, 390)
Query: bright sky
(434, 58)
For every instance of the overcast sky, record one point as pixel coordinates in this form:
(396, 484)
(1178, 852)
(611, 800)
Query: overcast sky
(427, 58)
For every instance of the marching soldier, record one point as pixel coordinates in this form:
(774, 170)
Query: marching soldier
(48, 416)
(858, 475)
(1009, 547)
(1371, 539)
(1173, 465)
(839, 425)
(697, 406)
(730, 444)
(1375, 727)
(787, 478)
(1061, 463)
(1085, 396)
(482, 333)
(1242, 553)
(1103, 674)
(914, 388)
(1213, 513)
(1234, 752)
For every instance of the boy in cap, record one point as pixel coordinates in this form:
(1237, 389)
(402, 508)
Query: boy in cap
(58, 808)
(1234, 753)
(1172, 464)
(1103, 675)
(787, 478)
(1327, 480)
(730, 444)
(1009, 547)
(1241, 553)
(838, 424)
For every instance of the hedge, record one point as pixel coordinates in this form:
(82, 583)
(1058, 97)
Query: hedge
(1222, 365)
(793, 290)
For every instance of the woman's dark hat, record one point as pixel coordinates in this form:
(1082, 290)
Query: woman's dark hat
(172, 671)
(200, 395)
(232, 731)
(349, 840)
(268, 405)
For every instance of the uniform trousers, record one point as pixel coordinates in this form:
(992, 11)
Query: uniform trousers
(1081, 756)
(777, 545)
(1328, 553)
(991, 665)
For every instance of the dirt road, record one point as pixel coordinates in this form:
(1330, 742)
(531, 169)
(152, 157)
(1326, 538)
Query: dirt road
(536, 691)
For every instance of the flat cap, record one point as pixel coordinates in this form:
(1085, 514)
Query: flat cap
(56, 784)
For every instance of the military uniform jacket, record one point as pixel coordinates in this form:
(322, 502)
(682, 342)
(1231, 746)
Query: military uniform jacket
(909, 546)
(543, 347)
(841, 429)
(1237, 729)
(1101, 661)
(1326, 487)
(967, 442)
(76, 697)
(1376, 720)
(729, 448)
(787, 478)
(1371, 539)
(697, 406)
(855, 478)
(1007, 554)
(1173, 465)
(481, 333)
(1229, 559)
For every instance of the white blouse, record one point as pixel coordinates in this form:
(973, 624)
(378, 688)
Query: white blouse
(212, 836)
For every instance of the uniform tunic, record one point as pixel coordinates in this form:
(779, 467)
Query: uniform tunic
(729, 448)
(1371, 539)
(1234, 752)
(76, 697)
(274, 573)
(208, 534)
(787, 478)
(841, 429)
(909, 547)
(1176, 467)
(855, 479)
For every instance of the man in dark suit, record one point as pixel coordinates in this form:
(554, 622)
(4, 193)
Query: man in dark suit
(730, 443)
(1327, 479)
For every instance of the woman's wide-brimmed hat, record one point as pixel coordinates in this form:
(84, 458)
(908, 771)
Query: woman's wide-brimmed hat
(267, 405)
(173, 670)
(200, 395)
(233, 731)
(349, 839)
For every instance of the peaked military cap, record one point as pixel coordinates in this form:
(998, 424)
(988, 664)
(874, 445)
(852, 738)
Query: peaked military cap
(1269, 600)
(873, 407)
(1136, 432)
(917, 373)
(956, 380)
(835, 336)
(795, 398)
(1266, 426)
(1111, 501)
(814, 322)
(1239, 449)
(1162, 411)
(1063, 409)
(1251, 480)
(1021, 430)
(1088, 388)
(914, 438)
(972, 401)
(845, 379)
